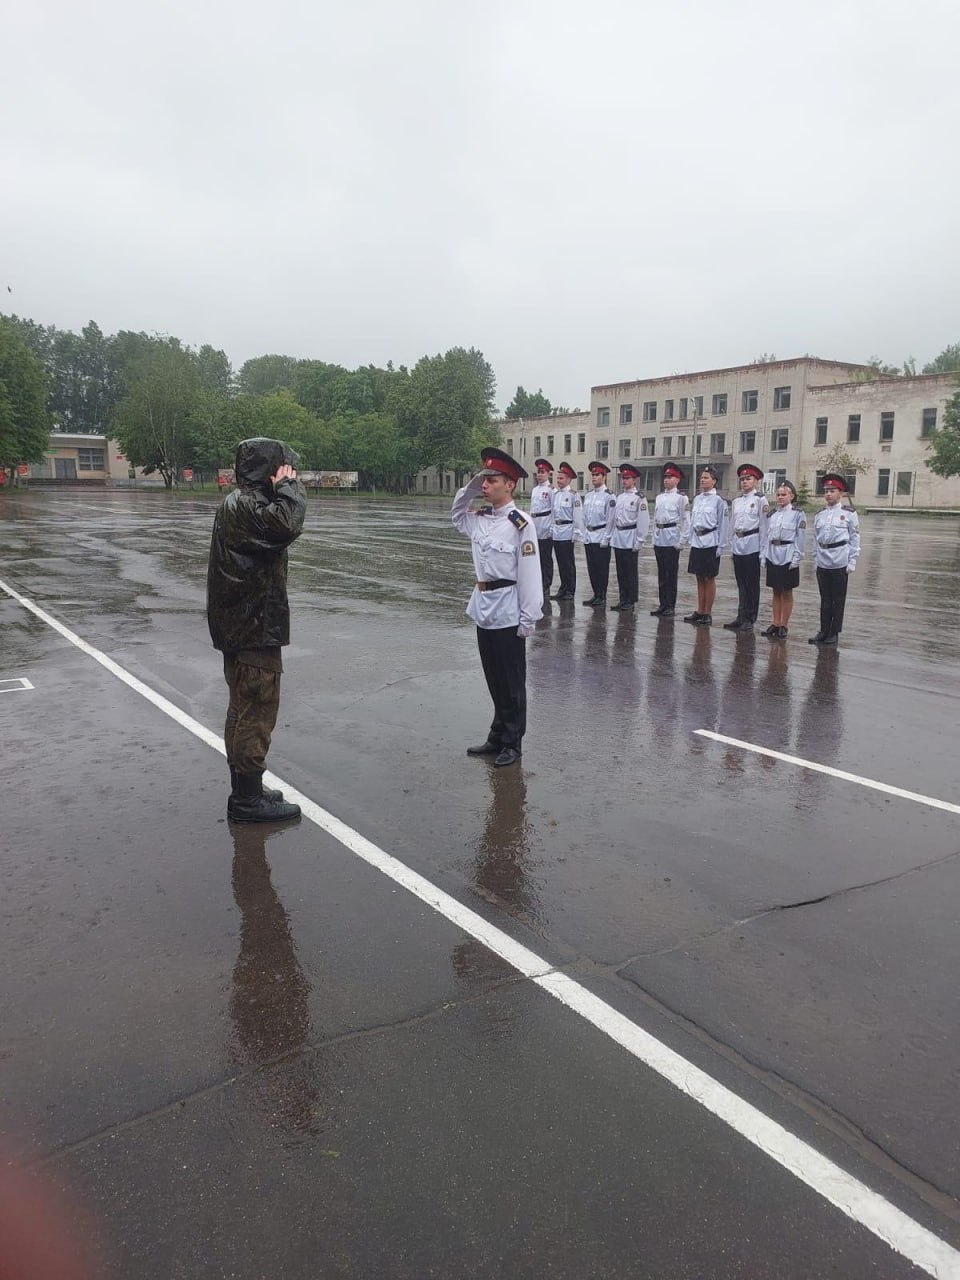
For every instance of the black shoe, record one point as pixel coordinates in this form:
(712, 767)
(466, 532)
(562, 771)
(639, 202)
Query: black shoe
(657, 613)
(771, 631)
(745, 625)
(556, 596)
(563, 595)
(781, 633)
(249, 804)
(268, 792)
(817, 639)
(601, 602)
(733, 626)
(487, 748)
(592, 601)
(508, 756)
(626, 608)
(666, 613)
(615, 608)
(829, 639)
(694, 617)
(705, 620)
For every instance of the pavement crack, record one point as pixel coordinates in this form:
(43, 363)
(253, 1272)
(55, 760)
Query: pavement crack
(308, 1049)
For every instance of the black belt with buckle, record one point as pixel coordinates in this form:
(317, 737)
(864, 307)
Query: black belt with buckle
(667, 524)
(496, 584)
(746, 533)
(563, 522)
(626, 526)
(701, 533)
(594, 527)
(536, 514)
(781, 542)
(828, 546)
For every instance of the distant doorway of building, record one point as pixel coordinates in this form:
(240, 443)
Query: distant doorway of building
(66, 468)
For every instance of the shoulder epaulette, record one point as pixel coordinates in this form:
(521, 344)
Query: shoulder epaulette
(517, 519)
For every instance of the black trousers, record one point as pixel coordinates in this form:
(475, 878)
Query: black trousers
(668, 563)
(546, 563)
(747, 569)
(598, 567)
(628, 575)
(504, 657)
(566, 565)
(833, 597)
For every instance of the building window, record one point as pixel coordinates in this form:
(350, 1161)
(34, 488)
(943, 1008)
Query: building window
(698, 406)
(821, 432)
(778, 478)
(668, 410)
(779, 438)
(91, 459)
(603, 417)
(423, 484)
(650, 411)
(603, 448)
(510, 447)
(523, 446)
(536, 444)
(648, 447)
(699, 446)
(781, 397)
(626, 415)
(567, 443)
(928, 422)
(550, 445)
(624, 448)
(682, 446)
(750, 401)
(853, 428)
(718, 442)
(581, 442)
(886, 431)
(683, 406)
(904, 483)
(883, 483)
(667, 448)
(580, 479)
(748, 441)
(720, 404)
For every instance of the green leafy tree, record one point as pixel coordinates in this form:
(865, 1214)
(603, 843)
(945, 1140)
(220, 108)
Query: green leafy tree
(945, 441)
(264, 374)
(215, 370)
(440, 405)
(24, 417)
(528, 404)
(843, 463)
(948, 361)
(157, 421)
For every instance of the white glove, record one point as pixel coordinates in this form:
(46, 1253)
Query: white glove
(850, 568)
(604, 542)
(525, 629)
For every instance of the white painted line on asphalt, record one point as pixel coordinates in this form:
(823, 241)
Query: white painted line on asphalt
(15, 684)
(833, 1184)
(932, 801)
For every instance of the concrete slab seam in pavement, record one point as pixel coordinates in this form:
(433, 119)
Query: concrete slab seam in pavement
(839, 1188)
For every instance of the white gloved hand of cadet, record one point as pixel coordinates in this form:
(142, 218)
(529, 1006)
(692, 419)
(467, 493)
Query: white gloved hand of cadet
(850, 568)
(525, 629)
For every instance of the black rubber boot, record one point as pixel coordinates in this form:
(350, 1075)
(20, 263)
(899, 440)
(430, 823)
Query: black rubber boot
(249, 804)
(268, 792)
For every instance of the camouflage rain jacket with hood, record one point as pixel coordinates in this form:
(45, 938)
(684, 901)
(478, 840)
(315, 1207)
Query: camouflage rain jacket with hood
(247, 575)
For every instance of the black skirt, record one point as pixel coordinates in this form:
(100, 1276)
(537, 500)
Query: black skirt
(782, 576)
(704, 562)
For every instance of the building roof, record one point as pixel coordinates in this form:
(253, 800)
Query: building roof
(896, 380)
(737, 368)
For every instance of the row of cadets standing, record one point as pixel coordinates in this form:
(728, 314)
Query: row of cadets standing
(748, 518)
(599, 510)
(671, 530)
(568, 527)
(631, 523)
(541, 509)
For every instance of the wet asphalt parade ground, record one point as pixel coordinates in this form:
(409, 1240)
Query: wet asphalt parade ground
(654, 1003)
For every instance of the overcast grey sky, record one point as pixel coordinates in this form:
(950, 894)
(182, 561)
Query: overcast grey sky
(589, 192)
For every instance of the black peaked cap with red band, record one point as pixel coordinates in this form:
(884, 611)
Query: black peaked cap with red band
(498, 463)
(834, 481)
(599, 466)
(671, 469)
(628, 469)
(543, 462)
(749, 469)
(567, 470)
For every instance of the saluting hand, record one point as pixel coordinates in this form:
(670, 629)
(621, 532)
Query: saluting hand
(286, 472)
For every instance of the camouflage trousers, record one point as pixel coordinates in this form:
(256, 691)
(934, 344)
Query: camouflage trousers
(251, 715)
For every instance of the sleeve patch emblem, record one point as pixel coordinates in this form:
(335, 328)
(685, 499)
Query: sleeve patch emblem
(528, 549)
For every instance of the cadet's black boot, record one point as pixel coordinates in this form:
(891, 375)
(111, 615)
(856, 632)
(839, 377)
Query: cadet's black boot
(249, 804)
(601, 601)
(268, 792)
(593, 600)
(507, 757)
(733, 626)
(487, 748)
(694, 617)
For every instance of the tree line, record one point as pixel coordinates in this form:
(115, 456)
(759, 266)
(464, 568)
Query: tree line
(172, 406)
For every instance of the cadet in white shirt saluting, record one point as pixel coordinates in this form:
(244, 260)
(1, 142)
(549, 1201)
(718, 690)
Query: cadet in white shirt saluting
(507, 599)
(631, 522)
(598, 511)
(567, 528)
(671, 530)
(541, 508)
(709, 536)
(748, 518)
(836, 534)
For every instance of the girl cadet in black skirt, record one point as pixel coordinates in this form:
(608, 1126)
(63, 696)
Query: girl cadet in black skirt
(709, 537)
(783, 550)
